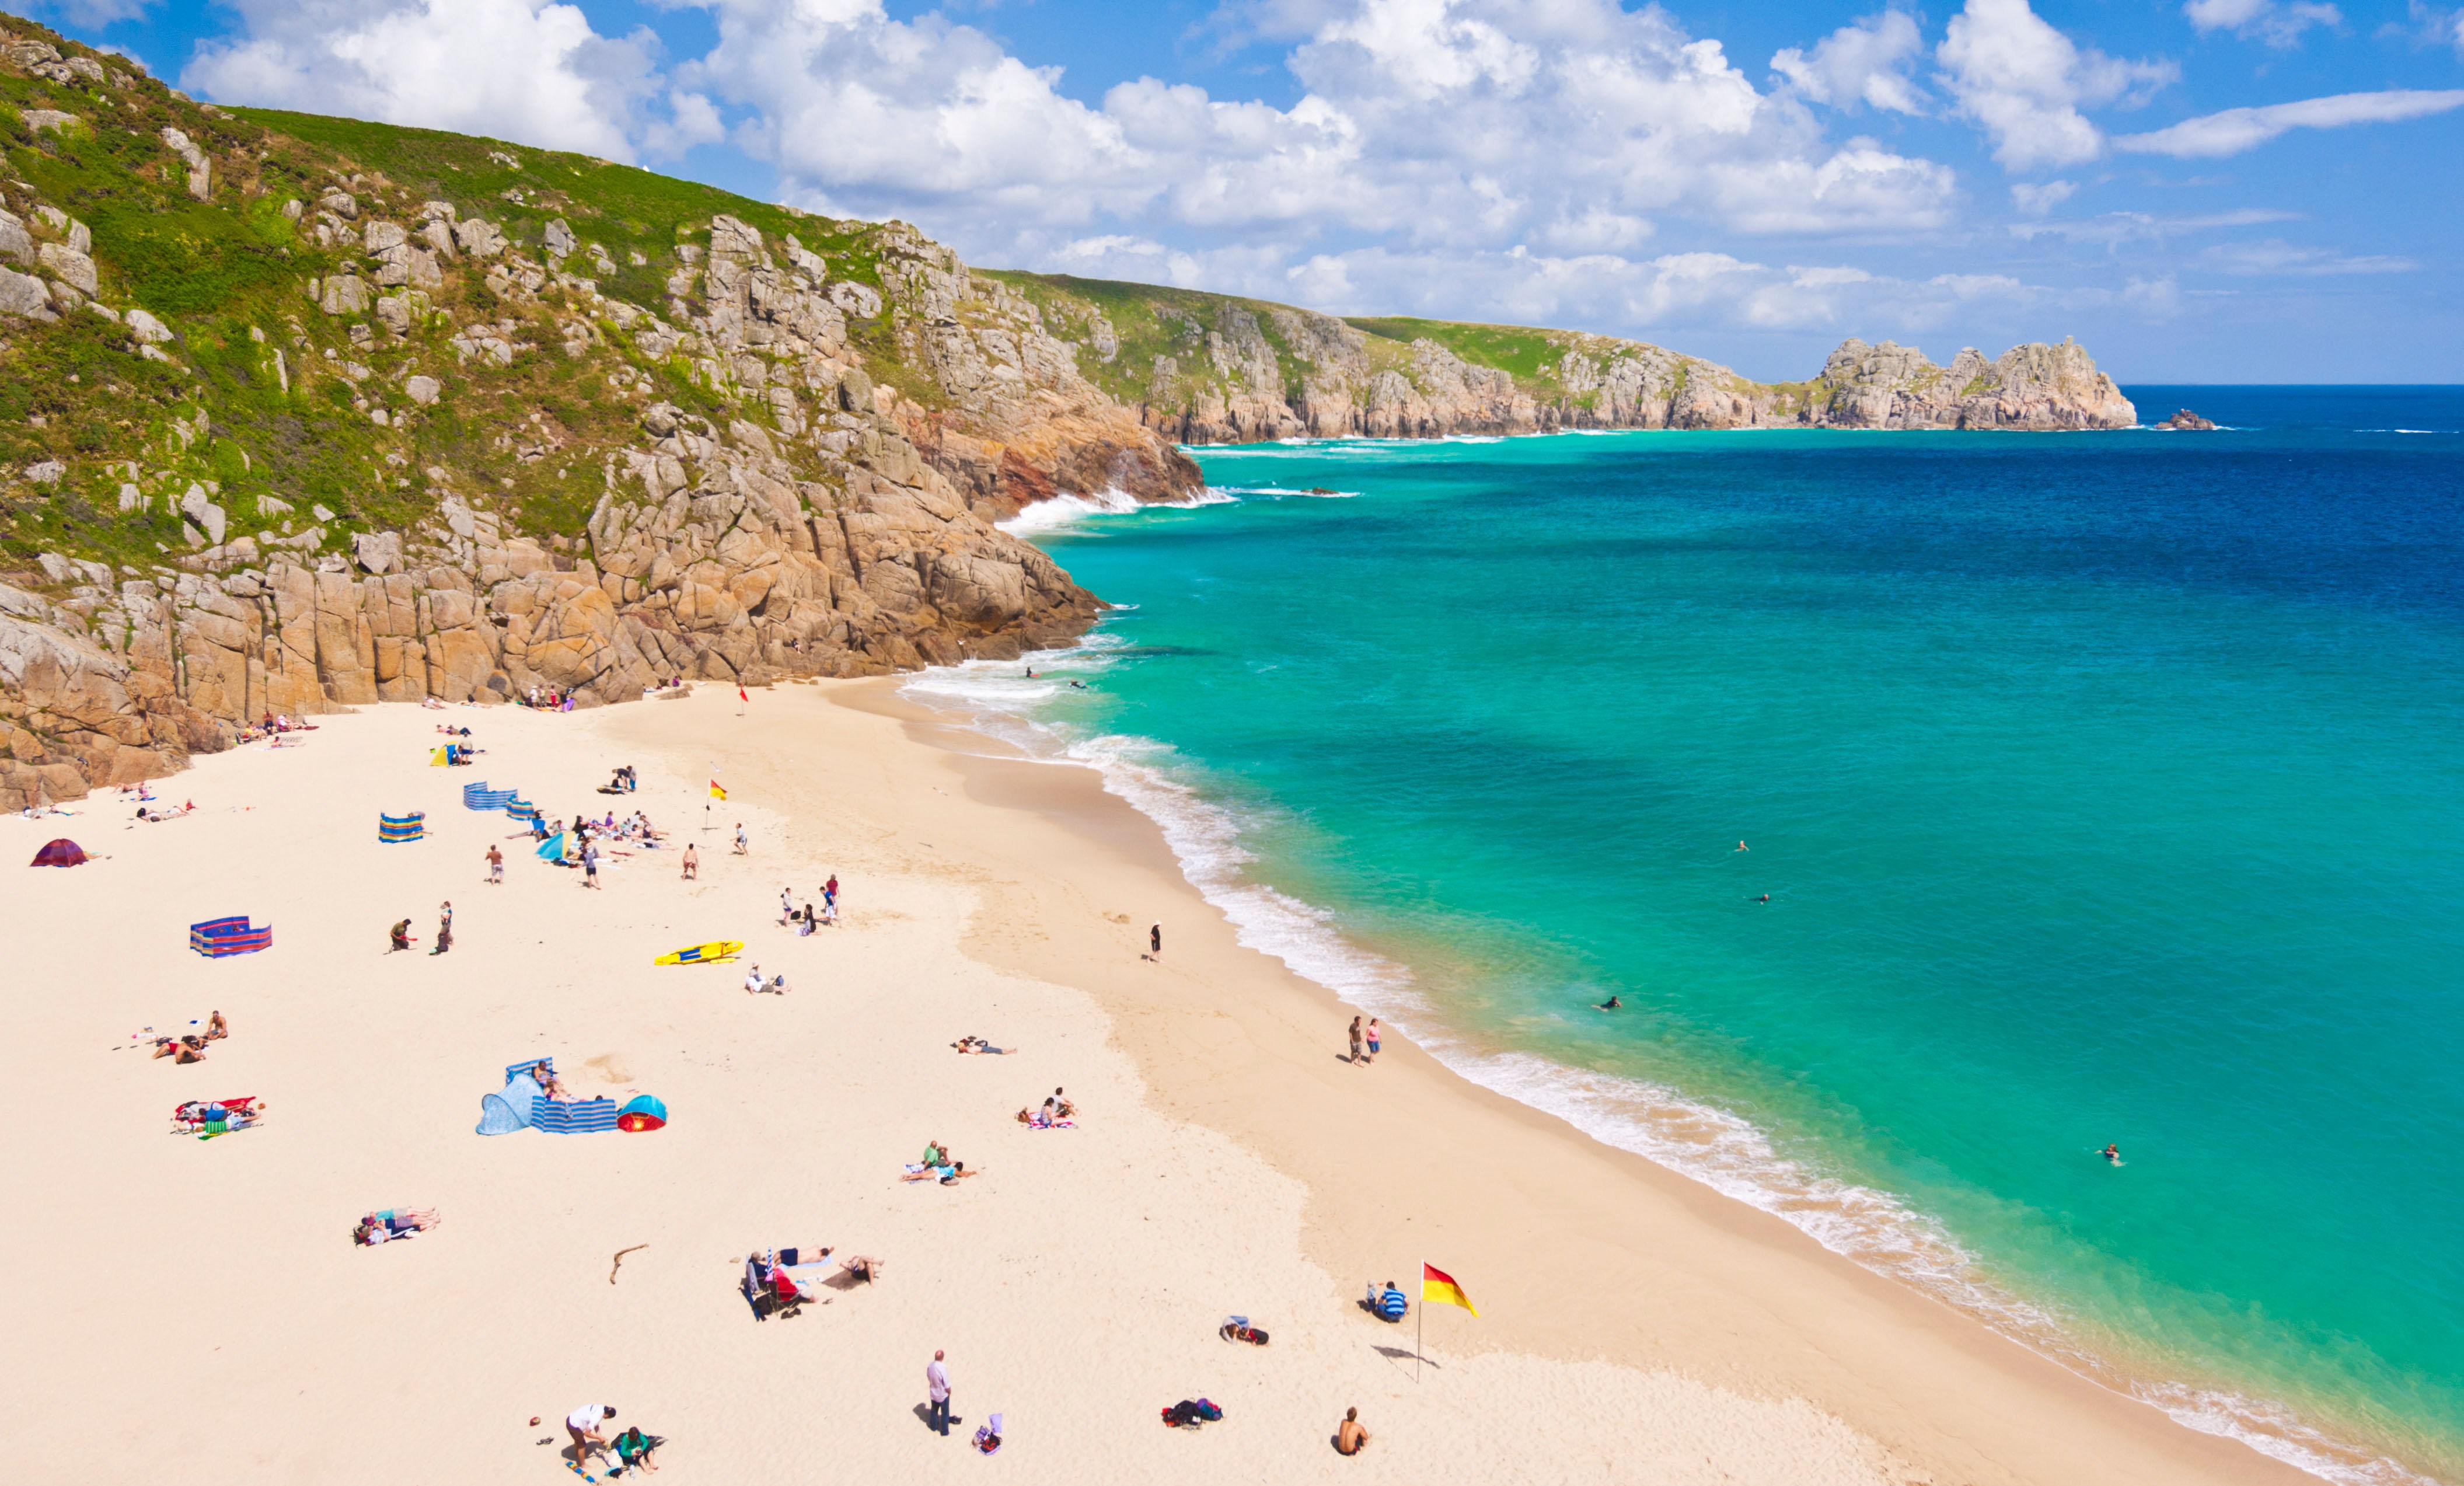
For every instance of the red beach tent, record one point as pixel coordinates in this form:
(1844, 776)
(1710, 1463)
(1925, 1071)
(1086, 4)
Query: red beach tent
(62, 853)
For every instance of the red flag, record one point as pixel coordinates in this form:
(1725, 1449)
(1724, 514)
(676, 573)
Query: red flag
(739, 695)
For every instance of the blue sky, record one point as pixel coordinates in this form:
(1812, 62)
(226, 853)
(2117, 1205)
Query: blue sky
(2200, 190)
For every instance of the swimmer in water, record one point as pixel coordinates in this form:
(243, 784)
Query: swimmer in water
(2113, 1153)
(1078, 686)
(1767, 897)
(1741, 846)
(1610, 1003)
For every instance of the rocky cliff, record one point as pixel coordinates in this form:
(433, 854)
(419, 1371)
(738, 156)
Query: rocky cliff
(297, 413)
(1212, 369)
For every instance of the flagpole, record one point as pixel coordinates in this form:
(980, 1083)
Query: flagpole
(1420, 1324)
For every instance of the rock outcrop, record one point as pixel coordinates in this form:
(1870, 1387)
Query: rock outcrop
(2186, 422)
(1211, 369)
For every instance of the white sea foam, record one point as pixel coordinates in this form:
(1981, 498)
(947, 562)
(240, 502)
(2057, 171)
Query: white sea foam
(1710, 1145)
(1066, 511)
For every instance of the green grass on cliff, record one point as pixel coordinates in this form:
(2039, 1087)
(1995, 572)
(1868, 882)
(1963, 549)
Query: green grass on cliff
(231, 276)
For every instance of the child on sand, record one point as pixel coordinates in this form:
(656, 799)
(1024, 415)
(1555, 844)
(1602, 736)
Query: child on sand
(693, 864)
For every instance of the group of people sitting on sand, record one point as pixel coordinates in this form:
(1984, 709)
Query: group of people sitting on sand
(393, 1223)
(778, 1280)
(191, 1047)
(543, 1073)
(1057, 1112)
(623, 782)
(185, 808)
(552, 700)
(938, 1165)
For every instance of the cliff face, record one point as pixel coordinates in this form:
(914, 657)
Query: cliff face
(1211, 369)
(300, 413)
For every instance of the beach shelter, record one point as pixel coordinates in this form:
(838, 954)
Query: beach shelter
(439, 759)
(574, 1117)
(217, 938)
(62, 853)
(642, 1112)
(552, 850)
(509, 1109)
(394, 830)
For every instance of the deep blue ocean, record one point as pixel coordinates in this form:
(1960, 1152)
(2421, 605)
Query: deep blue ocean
(2095, 788)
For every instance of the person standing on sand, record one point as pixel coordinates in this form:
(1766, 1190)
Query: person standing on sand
(1373, 1036)
(589, 864)
(583, 1424)
(1155, 939)
(693, 864)
(830, 892)
(743, 842)
(496, 864)
(936, 1383)
(1356, 1039)
(443, 928)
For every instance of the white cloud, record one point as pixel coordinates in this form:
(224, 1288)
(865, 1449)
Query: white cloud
(2276, 257)
(85, 16)
(524, 69)
(2239, 129)
(2038, 200)
(1572, 124)
(1865, 63)
(2119, 227)
(2277, 25)
(2025, 82)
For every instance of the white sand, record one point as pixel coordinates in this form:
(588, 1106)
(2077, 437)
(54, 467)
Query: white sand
(194, 1309)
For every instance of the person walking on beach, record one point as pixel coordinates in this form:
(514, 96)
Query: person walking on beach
(1373, 1036)
(1356, 1039)
(496, 864)
(743, 842)
(589, 863)
(936, 1383)
(830, 892)
(1155, 939)
(583, 1424)
(693, 864)
(443, 928)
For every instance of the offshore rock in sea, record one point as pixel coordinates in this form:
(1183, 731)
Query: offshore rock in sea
(2187, 422)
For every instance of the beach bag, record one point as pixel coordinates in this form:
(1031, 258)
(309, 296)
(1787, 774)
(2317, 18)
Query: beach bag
(1209, 1410)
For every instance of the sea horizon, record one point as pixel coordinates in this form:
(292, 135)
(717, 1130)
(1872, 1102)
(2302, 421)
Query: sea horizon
(1503, 995)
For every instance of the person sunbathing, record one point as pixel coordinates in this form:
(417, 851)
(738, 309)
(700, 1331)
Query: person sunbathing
(549, 1083)
(216, 1027)
(190, 1049)
(393, 1223)
(979, 1046)
(863, 1266)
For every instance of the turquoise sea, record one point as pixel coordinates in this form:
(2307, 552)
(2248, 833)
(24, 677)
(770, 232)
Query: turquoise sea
(2095, 787)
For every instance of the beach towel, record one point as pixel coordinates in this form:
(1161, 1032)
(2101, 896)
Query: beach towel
(62, 853)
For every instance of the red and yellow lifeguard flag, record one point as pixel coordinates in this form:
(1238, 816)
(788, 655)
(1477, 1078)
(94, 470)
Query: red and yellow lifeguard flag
(716, 792)
(1438, 1288)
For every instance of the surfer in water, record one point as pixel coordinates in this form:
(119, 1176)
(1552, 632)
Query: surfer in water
(1767, 897)
(1611, 1004)
(2112, 1153)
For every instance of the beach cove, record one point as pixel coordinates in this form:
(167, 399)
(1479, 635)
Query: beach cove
(1225, 1159)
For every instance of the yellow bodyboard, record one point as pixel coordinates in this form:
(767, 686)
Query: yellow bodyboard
(711, 953)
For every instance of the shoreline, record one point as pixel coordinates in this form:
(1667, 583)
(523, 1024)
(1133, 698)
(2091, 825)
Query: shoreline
(1635, 1324)
(1339, 1218)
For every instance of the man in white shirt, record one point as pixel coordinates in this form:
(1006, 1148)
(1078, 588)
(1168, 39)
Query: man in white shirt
(936, 1380)
(584, 1424)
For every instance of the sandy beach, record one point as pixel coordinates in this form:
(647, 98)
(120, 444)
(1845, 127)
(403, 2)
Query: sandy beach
(197, 1306)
